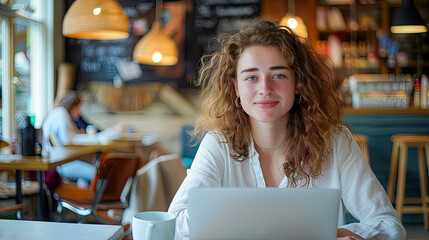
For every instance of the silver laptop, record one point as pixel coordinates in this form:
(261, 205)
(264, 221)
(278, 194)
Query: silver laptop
(263, 213)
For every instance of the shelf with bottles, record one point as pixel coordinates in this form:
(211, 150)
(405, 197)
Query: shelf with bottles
(347, 16)
(348, 34)
(350, 54)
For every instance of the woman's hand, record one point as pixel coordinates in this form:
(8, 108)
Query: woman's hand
(343, 234)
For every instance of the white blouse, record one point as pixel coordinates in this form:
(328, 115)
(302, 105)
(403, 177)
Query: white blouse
(58, 122)
(361, 192)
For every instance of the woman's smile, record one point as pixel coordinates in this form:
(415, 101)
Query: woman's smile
(266, 104)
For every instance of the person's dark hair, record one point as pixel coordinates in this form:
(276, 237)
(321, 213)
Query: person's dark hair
(312, 119)
(70, 100)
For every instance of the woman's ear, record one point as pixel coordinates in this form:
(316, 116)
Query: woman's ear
(234, 80)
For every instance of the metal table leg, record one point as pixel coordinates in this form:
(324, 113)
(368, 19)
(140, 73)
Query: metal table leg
(18, 179)
(42, 212)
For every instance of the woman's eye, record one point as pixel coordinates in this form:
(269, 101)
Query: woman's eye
(250, 78)
(279, 76)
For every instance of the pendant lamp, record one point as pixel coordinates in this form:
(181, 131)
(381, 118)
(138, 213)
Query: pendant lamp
(156, 47)
(408, 20)
(294, 22)
(96, 19)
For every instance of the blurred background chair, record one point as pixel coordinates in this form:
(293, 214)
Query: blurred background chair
(189, 145)
(398, 169)
(362, 141)
(155, 185)
(15, 209)
(109, 190)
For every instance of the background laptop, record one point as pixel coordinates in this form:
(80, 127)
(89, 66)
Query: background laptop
(263, 213)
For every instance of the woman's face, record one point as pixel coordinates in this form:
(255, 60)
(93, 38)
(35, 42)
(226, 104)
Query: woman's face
(75, 111)
(265, 83)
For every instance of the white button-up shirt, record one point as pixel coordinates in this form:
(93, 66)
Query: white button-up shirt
(347, 170)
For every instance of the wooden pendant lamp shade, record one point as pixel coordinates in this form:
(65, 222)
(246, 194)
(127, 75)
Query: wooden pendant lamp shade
(96, 19)
(294, 22)
(156, 48)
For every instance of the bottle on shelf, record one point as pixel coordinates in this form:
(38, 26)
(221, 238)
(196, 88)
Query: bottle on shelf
(417, 89)
(28, 142)
(424, 92)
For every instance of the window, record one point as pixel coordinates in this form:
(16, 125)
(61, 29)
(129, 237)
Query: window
(1, 76)
(24, 63)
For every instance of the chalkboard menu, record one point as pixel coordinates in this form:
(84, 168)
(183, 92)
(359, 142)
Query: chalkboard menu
(204, 20)
(96, 60)
(215, 17)
(210, 19)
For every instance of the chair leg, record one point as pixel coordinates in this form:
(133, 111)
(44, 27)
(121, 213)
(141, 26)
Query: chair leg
(50, 204)
(366, 154)
(82, 219)
(423, 185)
(59, 216)
(393, 172)
(427, 159)
(400, 195)
(18, 214)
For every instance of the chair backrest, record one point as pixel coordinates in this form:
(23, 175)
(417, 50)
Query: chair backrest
(362, 141)
(116, 169)
(189, 146)
(155, 185)
(54, 141)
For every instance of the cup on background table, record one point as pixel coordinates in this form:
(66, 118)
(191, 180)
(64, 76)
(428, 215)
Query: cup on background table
(153, 225)
(91, 129)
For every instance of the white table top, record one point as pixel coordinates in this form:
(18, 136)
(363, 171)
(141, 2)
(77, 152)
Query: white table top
(20, 230)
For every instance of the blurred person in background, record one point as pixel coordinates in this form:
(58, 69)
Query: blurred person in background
(60, 125)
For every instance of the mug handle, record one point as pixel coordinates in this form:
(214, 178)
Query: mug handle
(149, 231)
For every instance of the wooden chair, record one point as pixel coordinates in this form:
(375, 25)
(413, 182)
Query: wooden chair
(15, 208)
(401, 143)
(362, 141)
(115, 173)
(155, 185)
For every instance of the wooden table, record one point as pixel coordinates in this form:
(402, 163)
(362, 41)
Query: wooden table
(62, 155)
(37, 230)
(57, 156)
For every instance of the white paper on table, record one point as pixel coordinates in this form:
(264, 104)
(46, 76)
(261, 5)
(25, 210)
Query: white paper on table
(85, 139)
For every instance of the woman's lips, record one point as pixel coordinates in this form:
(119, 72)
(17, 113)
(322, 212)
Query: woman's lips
(266, 104)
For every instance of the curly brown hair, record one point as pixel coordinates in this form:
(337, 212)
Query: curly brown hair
(311, 120)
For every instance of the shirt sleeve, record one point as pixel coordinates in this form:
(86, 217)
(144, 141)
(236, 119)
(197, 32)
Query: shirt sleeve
(363, 194)
(206, 171)
(66, 127)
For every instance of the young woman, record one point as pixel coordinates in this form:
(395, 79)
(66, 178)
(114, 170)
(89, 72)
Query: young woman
(271, 115)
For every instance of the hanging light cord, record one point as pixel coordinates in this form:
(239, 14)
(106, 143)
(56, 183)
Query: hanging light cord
(158, 11)
(291, 6)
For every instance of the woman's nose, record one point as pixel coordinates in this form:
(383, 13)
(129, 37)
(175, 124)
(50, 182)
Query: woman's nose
(266, 87)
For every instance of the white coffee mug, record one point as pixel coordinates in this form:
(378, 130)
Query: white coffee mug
(153, 226)
(91, 129)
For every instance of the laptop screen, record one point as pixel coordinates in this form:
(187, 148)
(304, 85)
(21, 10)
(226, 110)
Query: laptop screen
(263, 213)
